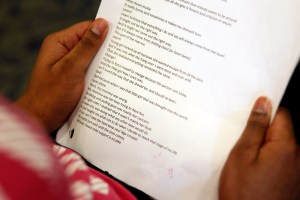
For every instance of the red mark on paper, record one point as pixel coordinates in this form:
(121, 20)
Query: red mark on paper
(171, 172)
(158, 156)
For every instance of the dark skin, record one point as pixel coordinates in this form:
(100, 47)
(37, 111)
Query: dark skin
(264, 164)
(57, 80)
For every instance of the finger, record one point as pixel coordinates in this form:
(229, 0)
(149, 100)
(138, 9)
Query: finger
(69, 37)
(84, 51)
(57, 45)
(281, 128)
(254, 134)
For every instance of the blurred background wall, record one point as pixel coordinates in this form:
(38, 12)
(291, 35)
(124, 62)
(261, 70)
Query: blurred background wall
(25, 23)
(23, 26)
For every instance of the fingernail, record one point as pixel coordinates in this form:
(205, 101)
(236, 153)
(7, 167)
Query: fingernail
(262, 106)
(99, 26)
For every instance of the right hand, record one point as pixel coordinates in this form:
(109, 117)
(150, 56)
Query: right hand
(265, 162)
(57, 80)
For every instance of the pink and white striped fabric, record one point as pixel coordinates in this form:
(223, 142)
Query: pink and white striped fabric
(31, 167)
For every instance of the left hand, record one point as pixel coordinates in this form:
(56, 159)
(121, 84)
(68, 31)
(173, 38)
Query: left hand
(265, 162)
(57, 80)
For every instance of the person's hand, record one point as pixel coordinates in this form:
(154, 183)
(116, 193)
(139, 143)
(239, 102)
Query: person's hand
(265, 162)
(57, 80)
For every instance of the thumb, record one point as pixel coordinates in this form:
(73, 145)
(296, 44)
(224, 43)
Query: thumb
(81, 55)
(258, 123)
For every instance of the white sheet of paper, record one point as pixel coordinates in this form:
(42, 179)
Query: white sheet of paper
(171, 89)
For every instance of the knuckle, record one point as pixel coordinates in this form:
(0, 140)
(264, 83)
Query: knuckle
(51, 37)
(68, 60)
(88, 43)
(257, 125)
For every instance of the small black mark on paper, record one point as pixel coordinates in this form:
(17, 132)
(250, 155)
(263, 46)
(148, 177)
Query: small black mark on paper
(71, 133)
